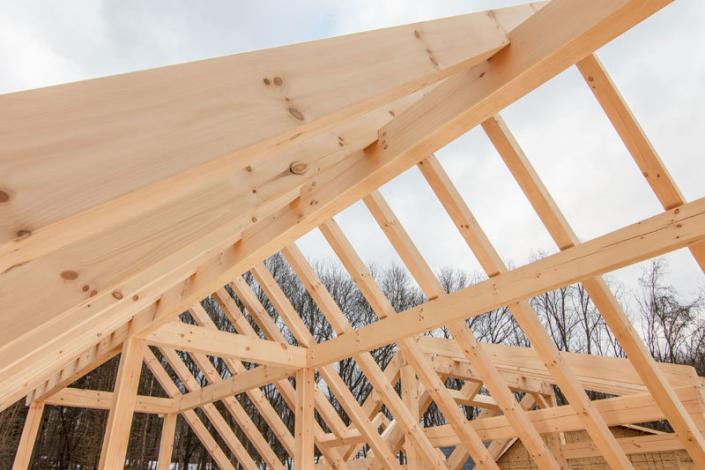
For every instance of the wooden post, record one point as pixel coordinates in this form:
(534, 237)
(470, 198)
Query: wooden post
(29, 435)
(303, 432)
(166, 442)
(410, 395)
(117, 431)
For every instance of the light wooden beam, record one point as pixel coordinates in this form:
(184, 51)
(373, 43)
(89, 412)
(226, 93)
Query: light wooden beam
(652, 168)
(99, 400)
(166, 441)
(33, 421)
(304, 418)
(190, 416)
(410, 395)
(129, 280)
(185, 337)
(117, 430)
(666, 442)
(616, 411)
(459, 457)
(599, 292)
(497, 446)
(283, 95)
(257, 377)
(611, 375)
(651, 237)
(517, 381)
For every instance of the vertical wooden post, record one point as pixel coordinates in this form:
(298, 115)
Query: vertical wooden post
(305, 388)
(166, 442)
(410, 395)
(117, 431)
(29, 436)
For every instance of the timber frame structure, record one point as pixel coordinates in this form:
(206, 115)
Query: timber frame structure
(127, 200)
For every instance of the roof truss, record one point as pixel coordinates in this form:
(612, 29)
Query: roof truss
(312, 138)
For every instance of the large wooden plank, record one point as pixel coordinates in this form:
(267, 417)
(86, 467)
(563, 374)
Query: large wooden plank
(73, 147)
(100, 400)
(620, 410)
(651, 237)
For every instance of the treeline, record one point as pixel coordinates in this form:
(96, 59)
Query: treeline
(70, 438)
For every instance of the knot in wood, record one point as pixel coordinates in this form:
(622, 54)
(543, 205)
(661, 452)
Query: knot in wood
(298, 168)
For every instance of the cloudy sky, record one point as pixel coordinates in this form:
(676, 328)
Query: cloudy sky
(659, 66)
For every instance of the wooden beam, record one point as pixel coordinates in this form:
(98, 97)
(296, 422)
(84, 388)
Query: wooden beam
(99, 400)
(304, 418)
(616, 411)
(611, 375)
(189, 416)
(666, 442)
(33, 421)
(410, 395)
(651, 237)
(166, 442)
(279, 96)
(516, 381)
(599, 292)
(117, 430)
(459, 457)
(94, 356)
(257, 377)
(185, 337)
(260, 315)
(496, 447)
